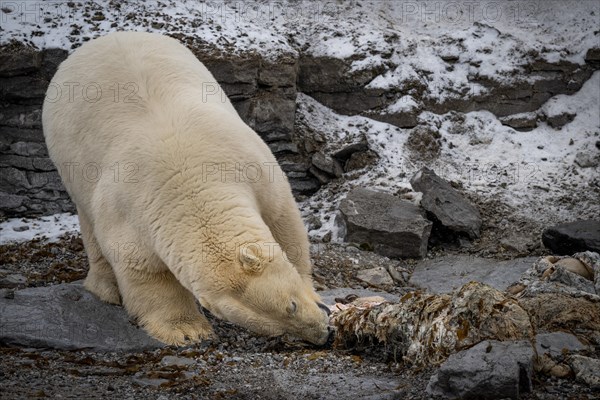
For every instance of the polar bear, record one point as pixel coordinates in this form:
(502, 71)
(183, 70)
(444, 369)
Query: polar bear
(178, 199)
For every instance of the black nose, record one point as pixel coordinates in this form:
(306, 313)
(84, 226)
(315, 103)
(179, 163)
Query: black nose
(324, 308)
(330, 337)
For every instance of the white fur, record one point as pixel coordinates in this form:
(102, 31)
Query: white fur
(161, 224)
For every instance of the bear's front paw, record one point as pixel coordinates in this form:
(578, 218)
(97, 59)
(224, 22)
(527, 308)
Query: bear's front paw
(179, 331)
(105, 289)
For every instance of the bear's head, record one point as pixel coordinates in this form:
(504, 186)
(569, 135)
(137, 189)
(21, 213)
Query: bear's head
(262, 291)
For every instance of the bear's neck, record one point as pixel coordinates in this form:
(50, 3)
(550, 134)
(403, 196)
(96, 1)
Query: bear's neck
(209, 235)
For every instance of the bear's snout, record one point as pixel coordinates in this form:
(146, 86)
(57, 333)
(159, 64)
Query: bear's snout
(326, 338)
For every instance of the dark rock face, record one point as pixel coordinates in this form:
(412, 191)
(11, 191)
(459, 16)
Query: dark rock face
(488, 370)
(446, 205)
(391, 226)
(20, 61)
(29, 182)
(573, 237)
(68, 317)
(263, 92)
(333, 75)
(332, 82)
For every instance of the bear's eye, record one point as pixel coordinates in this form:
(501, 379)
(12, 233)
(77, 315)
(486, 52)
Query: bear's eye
(291, 309)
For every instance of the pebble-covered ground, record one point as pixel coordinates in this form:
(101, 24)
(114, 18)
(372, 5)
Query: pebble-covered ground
(239, 365)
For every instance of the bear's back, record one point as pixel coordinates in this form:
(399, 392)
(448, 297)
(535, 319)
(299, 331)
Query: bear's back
(135, 68)
(130, 84)
(160, 109)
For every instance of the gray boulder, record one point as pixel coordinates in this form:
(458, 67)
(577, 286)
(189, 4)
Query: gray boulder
(327, 164)
(573, 237)
(68, 317)
(593, 56)
(559, 120)
(390, 226)
(488, 370)
(587, 370)
(344, 153)
(445, 204)
(445, 274)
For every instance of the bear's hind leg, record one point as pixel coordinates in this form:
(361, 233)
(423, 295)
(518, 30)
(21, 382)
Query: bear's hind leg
(164, 308)
(100, 279)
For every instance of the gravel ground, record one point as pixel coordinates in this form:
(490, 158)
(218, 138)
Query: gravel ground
(240, 365)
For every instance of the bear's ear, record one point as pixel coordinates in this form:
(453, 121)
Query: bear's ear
(251, 263)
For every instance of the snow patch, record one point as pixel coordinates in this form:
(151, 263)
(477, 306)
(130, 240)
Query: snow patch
(403, 104)
(49, 228)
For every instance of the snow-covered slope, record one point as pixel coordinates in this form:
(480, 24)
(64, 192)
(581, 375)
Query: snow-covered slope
(445, 45)
(555, 29)
(535, 172)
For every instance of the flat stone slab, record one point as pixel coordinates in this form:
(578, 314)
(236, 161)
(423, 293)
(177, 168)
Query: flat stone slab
(68, 317)
(555, 343)
(445, 274)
